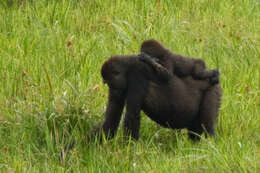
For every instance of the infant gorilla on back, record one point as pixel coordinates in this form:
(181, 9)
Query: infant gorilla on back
(156, 54)
(168, 99)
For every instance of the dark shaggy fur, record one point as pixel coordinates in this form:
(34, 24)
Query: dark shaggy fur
(177, 64)
(178, 103)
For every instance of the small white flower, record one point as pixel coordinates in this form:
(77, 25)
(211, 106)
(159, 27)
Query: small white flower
(239, 144)
(134, 164)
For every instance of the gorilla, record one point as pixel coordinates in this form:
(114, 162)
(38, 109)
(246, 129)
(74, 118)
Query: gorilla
(165, 97)
(152, 50)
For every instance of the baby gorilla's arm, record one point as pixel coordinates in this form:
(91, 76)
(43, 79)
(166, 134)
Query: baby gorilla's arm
(163, 74)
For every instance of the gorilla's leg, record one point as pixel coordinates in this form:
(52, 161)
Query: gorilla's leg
(209, 109)
(208, 113)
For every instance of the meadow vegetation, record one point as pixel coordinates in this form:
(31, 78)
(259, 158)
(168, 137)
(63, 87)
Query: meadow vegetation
(51, 89)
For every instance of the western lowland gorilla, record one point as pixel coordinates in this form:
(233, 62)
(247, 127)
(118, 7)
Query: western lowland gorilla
(169, 100)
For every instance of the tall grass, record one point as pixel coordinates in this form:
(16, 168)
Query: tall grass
(51, 90)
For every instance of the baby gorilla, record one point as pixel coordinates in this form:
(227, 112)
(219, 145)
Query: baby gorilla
(153, 51)
(178, 103)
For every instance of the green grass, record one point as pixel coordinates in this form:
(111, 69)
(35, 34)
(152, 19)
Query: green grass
(51, 89)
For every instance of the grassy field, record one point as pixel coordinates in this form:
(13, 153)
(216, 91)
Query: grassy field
(51, 89)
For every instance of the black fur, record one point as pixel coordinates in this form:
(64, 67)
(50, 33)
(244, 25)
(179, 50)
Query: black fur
(177, 64)
(178, 103)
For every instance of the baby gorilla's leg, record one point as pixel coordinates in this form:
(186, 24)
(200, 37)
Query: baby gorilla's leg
(215, 77)
(200, 72)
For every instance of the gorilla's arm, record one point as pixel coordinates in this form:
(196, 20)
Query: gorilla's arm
(116, 101)
(134, 102)
(113, 112)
